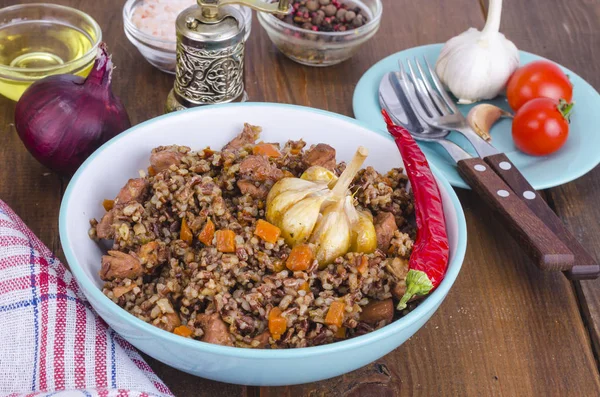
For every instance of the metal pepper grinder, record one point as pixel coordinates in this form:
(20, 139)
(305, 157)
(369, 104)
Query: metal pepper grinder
(210, 52)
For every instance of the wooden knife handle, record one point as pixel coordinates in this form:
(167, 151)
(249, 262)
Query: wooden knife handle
(585, 266)
(538, 241)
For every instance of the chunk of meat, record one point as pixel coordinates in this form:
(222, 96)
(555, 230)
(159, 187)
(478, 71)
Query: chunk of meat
(120, 265)
(376, 311)
(260, 169)
(398, 268)
(121, 290)
(163, 159)
(249, 135)
(385, 226)
(321, 154)
(151, 254)
(215, 329)
(399, 289)
(133, 190)
(248, 187)
(169, 322)
(104, 229)
(294, 147)
(262, 339)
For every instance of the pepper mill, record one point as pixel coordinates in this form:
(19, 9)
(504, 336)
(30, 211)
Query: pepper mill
(210, 52)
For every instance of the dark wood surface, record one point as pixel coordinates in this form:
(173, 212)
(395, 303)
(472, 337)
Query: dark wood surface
(505, 328)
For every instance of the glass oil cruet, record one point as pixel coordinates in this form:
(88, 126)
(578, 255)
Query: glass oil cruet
(210, 52)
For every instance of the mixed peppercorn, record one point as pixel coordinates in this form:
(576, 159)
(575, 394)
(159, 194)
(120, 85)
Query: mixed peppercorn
(325, 15)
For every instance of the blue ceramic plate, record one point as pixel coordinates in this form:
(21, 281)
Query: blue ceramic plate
(579, 155)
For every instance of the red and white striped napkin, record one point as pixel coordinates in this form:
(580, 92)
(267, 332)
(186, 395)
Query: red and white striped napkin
(52, 343)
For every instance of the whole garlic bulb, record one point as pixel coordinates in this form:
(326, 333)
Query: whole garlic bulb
(318, 208)
(477, 65)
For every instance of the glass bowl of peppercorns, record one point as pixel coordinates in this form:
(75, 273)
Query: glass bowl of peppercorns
(323, 32)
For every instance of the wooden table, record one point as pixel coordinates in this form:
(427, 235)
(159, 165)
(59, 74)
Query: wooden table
(505, 328)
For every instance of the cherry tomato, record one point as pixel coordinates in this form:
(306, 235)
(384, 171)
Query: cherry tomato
(539, 79)
(541, 126)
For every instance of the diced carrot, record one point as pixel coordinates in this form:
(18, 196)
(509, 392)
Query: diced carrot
(185, 233)
(151, 171)
(305, 286)
(364, 265)
(277, 323)
(340, 333)
(225, 240)
(300, 258)
(278, 266)
(207, 233)
(183, 330)
(208, 152)
(268, 232)
(335, 314)
(266, 149)
(108, 205)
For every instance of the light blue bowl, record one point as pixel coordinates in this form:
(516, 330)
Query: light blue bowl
(109, 167)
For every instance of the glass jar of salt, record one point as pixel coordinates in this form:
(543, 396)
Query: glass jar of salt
(210, 52)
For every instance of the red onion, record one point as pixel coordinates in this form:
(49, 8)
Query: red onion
(62, 119)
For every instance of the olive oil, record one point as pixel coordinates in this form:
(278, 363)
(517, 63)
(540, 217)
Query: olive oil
(31, 50)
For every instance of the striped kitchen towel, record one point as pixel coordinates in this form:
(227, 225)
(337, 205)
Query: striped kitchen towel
(52, 343)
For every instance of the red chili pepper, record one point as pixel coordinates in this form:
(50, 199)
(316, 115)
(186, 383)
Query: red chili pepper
(429, 258)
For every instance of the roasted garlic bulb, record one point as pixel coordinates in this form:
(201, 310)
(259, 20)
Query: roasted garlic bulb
(318, 208)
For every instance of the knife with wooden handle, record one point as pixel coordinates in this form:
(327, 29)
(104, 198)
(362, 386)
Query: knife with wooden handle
(585, 266)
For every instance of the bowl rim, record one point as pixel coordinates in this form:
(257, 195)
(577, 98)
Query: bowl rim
(88, 287)
(93, 49)
(273, 21)
(128, 9)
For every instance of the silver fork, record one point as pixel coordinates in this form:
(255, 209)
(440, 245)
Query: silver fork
(438, 110)
(400, 110)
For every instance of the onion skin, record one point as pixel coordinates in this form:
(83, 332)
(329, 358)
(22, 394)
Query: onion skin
(63, 119)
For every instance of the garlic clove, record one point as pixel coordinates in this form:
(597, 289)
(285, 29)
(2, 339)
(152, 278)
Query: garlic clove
(299, 220)
(285, 200)
(363, 238)
(367, 215)
(482, 117)
(317, 173)
(286, 184)
(332, 234)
